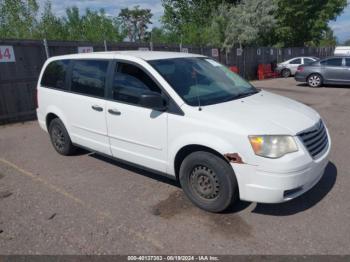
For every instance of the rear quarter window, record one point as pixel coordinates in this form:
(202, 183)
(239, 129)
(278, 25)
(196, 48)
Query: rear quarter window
(347, 62)
(55, 75)
(295, 61)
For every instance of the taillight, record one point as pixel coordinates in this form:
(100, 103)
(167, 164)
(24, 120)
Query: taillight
(300, 69)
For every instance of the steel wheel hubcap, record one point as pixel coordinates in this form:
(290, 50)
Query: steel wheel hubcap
(58, 138)
(314, 80)
(204, 182)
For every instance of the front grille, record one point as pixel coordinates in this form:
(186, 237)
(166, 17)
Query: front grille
(315, 139)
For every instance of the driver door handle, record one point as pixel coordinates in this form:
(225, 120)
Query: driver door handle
(114, 112)
(97, 108)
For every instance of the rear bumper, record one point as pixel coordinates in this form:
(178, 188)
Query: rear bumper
(41, 120)
(263, 186)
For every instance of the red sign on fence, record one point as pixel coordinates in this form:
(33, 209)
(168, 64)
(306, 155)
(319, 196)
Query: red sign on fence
(7, 54)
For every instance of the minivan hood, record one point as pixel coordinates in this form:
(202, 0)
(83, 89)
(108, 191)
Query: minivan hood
(264, 113)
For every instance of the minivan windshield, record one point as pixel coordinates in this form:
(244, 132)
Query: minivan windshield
(202, 81)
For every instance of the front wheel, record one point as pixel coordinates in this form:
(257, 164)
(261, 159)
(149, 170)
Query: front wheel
(314, 80)
(208, 181)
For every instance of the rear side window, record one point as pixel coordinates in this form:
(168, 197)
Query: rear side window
(89, 77)
(130, 82)
(308, 61)
(55, 75)
(334, 62)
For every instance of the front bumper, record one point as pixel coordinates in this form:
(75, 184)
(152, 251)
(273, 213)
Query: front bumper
(267, 186)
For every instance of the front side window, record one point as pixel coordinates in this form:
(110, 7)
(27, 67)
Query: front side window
(202, 81)
(295, 61)
(334, 62)
(89, 77)
(130, 82)
(55, 75)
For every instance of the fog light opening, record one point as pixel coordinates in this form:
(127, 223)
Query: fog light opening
(291, 192)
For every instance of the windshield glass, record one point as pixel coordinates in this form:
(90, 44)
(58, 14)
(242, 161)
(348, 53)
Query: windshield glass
(202, 81)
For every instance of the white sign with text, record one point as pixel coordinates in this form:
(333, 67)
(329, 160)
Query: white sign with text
(215, 52)
(184, 50)
(85, 49)
(7, 54)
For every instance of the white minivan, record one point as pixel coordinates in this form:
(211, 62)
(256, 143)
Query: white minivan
(188, 117)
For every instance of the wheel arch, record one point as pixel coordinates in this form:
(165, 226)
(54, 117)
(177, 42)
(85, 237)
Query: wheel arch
(49, 118)
(53, 113)
(183, 152)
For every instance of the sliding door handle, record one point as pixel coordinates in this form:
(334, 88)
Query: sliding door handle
(114, 112)
(97, 108)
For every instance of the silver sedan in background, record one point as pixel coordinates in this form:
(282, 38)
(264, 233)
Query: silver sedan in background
(332, 70)
(289, 67)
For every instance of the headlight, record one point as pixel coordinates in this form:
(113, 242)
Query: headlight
(273, 146)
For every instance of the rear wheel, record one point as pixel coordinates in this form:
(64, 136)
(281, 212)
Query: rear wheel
(60, 138)
(286, 73)
(208, 181)
(314, 80)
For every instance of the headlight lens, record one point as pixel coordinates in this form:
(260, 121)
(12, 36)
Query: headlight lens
(273, 146)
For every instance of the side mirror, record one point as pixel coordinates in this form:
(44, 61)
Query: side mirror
(153, 100)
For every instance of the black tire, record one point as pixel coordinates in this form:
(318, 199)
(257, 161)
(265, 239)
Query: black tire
(60, 138)
(286, 73)
(208, 181)
(314, 80)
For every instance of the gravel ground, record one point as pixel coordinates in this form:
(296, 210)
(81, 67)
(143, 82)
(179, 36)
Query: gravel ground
(86, 204)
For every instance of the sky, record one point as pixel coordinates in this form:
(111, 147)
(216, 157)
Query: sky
(112, 7)
(341, 26)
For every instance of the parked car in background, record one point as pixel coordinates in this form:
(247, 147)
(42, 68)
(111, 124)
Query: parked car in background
(332, 70)
(342, 51)
(289, 67)
(186, 116)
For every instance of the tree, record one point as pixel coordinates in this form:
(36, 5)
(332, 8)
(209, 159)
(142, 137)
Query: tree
(328, 38)
(135, 22)
(301, 22)
(98, 27)
(190, 19)
(74, 24)
(246, 23)
(50, 27)
(18, 18)
(161, 35)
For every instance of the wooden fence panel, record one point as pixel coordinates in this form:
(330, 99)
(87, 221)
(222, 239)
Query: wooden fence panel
(18, 79)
